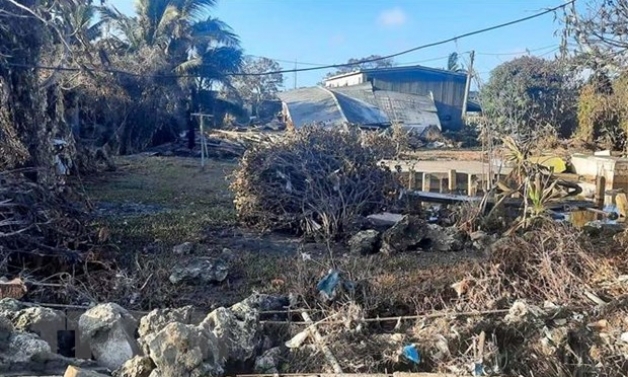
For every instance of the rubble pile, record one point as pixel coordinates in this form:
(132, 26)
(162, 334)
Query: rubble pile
(519, 340)
(407, 233)
(220, 144)
(164, 342)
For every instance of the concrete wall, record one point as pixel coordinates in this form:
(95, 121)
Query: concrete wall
(613, 169)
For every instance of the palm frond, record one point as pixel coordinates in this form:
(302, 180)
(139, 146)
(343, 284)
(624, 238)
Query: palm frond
(214, 64)
(111, 14)
(194, 9)
(214, 30)
(165, 25)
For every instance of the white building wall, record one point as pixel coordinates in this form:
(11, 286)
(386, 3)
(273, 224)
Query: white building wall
(355, 79)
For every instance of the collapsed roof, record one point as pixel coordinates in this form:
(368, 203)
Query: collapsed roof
(360, 105)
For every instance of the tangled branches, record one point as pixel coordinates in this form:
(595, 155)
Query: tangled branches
(550, 263)
(40, 228)
(317, 181)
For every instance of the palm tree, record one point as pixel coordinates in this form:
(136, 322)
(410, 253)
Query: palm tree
(195, 45)
(453, 63)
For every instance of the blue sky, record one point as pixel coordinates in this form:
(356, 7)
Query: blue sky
(333, 31)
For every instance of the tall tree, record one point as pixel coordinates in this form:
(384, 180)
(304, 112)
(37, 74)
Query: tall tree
(528, 93)
(196, 45)
(254, 89)
(598, 30)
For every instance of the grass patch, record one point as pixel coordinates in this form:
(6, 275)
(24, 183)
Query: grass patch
(197, 206)
(192, 199)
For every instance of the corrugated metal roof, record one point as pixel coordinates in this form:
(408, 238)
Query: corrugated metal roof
(322, 106)
(358, 111)
(312, 105)
(359, 104)
(411, 110)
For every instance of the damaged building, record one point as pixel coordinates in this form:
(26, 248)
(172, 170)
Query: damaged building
(415, 97)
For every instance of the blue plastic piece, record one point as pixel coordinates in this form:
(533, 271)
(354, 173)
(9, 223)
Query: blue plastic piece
(328, 284)
(412, 354)
(478, 369)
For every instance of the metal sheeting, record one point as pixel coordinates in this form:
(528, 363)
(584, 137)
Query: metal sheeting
(357, 111)
(411, 111)
(312, 105)
(359, 104)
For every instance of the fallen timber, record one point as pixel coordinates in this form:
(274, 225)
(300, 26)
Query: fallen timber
(443, 198)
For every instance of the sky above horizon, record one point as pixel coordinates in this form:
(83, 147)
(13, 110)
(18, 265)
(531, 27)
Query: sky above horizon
(323, 32)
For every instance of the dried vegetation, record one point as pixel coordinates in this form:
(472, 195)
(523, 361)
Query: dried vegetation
(316, 181)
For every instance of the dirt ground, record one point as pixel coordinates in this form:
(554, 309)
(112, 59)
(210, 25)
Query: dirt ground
(151, 204)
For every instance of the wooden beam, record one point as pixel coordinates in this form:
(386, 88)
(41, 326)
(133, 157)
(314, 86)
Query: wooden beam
(600, 191)
(427, 182)
(453, 184)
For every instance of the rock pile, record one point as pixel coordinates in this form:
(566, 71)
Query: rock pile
(172, 342)
(163, 343)
(21, 348)
(409, 233)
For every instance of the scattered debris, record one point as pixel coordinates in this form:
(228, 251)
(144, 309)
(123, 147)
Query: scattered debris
(365, 242)
(14, 288)
(411, 353)
(200, 270)
(337, 181)
(328, 285)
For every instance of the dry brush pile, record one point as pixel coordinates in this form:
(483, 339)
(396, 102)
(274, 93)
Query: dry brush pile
(548, 301)
(316, 181)
(43, 232)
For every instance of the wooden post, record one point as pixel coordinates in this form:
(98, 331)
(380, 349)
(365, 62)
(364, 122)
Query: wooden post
(427, 182)
(471, 188)
(453, 184)
(204, 149)
(600, 190)
(467, 88)
(411, 180)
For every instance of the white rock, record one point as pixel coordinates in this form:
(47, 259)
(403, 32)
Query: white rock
(109, 329)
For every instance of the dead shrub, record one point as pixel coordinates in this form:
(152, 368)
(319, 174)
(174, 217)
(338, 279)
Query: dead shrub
(316, 181)
(387, 145)
(46, 232)
(550, 262)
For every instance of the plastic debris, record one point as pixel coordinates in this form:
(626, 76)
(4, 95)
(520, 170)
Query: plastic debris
(328, 286)
(411, 353)
(478, 369)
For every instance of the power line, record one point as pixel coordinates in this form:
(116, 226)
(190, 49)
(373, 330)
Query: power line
(433, 44)
(516, 53)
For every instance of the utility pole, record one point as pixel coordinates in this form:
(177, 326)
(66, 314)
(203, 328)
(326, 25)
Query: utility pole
(295, 73)
(467, 88)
